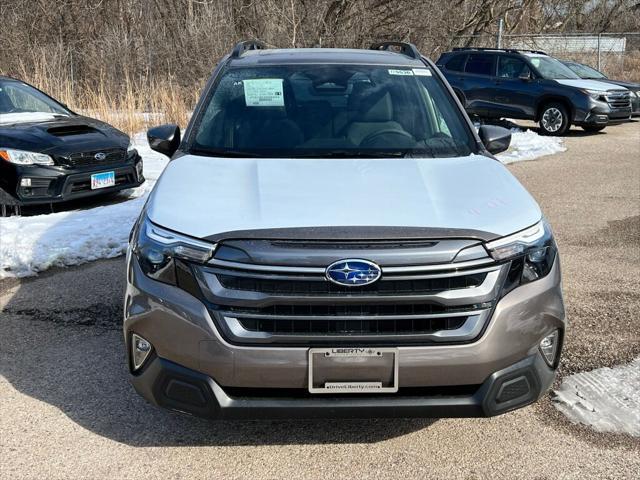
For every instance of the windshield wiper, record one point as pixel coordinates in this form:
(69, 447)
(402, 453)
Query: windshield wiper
(422, 152)
(224, 153)
(350, 154)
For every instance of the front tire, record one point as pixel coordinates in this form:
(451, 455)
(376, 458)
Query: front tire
(554, 119)
(593, 128)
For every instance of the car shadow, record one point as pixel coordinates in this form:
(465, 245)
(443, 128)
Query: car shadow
(69, 354)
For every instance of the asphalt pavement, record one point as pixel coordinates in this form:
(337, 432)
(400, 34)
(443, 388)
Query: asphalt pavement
(68, 411)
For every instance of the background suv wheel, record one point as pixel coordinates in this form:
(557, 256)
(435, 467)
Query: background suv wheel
(554, 119)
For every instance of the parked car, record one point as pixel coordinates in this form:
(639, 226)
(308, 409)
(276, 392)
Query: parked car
(49, 154)
(333, 238)
(531, 85)
(590, 73)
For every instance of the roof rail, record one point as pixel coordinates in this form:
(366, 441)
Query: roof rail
(242, 47)
(495, 49)
(408, 49)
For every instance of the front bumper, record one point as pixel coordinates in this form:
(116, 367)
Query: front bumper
(172, 386)
(635, 105)
(601, 113)
(192, 358)
(57, 184)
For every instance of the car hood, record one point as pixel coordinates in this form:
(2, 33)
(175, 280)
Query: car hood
(588, 84)
(204, 197)
(628, 85)
(59, 135)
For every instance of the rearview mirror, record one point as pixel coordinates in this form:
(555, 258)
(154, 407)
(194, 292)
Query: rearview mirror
(495, 139)
(164, 139)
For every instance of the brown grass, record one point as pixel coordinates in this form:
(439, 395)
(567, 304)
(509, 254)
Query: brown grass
(134, 104)
(131, 106)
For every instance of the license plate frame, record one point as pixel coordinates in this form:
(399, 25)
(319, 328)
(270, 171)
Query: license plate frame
(364, 359)
(103, 180)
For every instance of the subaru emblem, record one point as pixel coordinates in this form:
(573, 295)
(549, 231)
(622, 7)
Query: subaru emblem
(353, 272)
(100, 156)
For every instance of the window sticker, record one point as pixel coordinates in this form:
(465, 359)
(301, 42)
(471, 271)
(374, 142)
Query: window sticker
(422, 72)
(400, 72)
(263, 92)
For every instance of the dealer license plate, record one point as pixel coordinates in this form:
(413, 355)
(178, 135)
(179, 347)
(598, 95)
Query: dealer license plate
(103, 180)
(353, 370)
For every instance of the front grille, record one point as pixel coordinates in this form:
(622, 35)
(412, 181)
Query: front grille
(357, 310)
(323, 287)
(284, 304)
(86, 159)
(619, 99)
(378, 326)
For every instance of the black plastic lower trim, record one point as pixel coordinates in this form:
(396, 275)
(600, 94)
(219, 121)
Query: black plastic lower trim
(175, 387)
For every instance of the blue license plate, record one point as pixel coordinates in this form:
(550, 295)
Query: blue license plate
(103, 180)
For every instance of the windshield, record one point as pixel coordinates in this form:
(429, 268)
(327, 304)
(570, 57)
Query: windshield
(20, 102)
(551, 68)
(328, 111)
(585, 71)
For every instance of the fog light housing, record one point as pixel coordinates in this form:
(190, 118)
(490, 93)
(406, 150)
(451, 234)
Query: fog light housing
(25, 182)
(140, 351)
(549, 347)
(139, 170)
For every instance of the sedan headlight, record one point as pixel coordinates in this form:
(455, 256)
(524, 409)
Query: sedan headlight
(596, 94)
(157, 250)
(531, 251)
(21, 157)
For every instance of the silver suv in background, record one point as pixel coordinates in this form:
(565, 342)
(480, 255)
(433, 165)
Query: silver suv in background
(333, 238)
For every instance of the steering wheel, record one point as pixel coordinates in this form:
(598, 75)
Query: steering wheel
(371, 139)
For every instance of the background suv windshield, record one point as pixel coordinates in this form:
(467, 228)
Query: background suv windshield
(584, 71)
(551, 68)
(331, 110)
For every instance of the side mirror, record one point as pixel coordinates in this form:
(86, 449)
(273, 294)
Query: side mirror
(164, 139)
(495, 139)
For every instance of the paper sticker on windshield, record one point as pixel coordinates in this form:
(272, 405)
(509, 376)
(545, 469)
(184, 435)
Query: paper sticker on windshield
(400, 72)
(263, 92)
(422, 72)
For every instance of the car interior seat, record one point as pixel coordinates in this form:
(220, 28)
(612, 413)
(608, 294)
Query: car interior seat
(370, 110)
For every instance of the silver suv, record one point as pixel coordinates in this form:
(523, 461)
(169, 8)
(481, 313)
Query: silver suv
(333, 238)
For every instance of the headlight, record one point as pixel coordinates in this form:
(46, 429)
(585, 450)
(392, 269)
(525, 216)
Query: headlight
(20, 157)
(531, 251)
(596, 94)
(131, 149)
(157, 250)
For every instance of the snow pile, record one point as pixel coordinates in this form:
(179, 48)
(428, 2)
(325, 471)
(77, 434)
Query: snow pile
(29, 245)
(607, 399)
(528, 145)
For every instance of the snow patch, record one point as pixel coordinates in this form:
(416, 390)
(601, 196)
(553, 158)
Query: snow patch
(607, 399)
(528, 145)
(29, 245)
